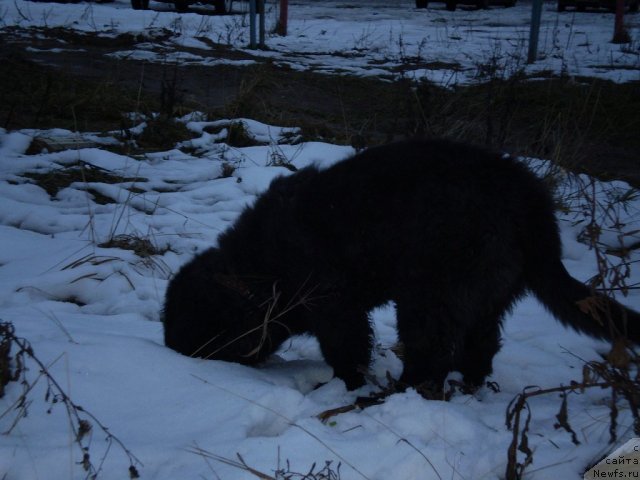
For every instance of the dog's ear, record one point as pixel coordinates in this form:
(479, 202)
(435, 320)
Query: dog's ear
(234, 283)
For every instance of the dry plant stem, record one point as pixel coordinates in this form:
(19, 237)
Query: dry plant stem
(271, 316)
(288, 420)
(56, 394)
(413, 447)
(618, 371)
(376, 399)
(240, 463)
(519, 441)
(360, 404)
(610, 276)
(325, 473)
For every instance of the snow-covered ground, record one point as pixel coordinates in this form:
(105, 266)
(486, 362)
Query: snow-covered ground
(91, 312)
(373, 37)
(92, 316)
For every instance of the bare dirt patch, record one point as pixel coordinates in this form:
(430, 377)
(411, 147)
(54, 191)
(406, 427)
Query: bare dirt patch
(57, 78)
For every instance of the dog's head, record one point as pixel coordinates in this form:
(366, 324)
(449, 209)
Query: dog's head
(213, 314)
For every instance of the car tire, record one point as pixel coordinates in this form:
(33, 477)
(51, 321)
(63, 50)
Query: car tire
(422, 3)
(136, 4)
(482, 4)
(510, 3)
(633, 7)
(561, 6)
(451, 5)
(181, 5)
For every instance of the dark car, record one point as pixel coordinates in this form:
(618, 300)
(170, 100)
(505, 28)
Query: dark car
(453, 4)
(221, 6)
(582, 5)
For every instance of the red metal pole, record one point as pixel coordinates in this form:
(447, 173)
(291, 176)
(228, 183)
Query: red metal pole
(620, 34)
(281, 28)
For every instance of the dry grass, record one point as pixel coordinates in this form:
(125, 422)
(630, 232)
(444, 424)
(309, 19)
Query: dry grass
(53, 181)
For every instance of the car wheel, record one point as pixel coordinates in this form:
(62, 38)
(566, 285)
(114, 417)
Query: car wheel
(451, 5)
(136, 4)
(223, 6)
(181, 5)
(510, 3)
(482, 4)
(561, 6)
(633, 7)
(422, 3)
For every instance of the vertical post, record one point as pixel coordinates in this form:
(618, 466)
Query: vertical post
(534, 30)
(281, 27)
(262, 28)
(620, 34)
(252, 24)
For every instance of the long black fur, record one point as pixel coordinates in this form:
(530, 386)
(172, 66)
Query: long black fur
(453, 234)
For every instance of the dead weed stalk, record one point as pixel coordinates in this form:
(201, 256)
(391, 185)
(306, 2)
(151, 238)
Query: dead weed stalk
(281, 473)
(15, 368)
(273, 311)
(292, 475)
(619, 370)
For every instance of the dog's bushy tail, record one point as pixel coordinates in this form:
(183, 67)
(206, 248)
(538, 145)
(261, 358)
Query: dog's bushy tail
(575, 305)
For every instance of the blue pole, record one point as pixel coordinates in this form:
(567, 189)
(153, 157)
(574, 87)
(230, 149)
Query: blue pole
(262, 26)
(534, 31)
(252, 24)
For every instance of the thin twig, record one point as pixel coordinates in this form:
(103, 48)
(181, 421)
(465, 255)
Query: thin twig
(288, 420)
(56, 394)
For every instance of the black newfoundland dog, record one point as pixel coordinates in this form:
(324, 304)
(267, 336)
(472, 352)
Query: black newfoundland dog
(453, 234)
